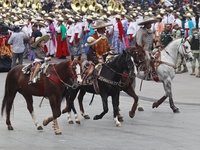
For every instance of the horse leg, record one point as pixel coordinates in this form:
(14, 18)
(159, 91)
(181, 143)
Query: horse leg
(71, 106)
(115, 103)
(66, 107)
(105, 107)
(29, 101)
(160, 101)
(80, 101)
(55, 103)
(131, 92)
(9, 102)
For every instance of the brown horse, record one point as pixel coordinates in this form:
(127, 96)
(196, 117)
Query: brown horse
(52, 85)
(128, 84)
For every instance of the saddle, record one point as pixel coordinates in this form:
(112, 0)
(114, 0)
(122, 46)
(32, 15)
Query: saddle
(29, 69)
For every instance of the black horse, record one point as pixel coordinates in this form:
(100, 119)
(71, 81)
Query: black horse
(108, 84)
(127, 85)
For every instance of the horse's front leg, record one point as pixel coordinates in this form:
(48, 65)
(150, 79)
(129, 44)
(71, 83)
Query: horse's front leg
(55, 103)
(104, 98)
(131, 92)
(71, 106)
(115, 103)
(29, 101)
(80, 101)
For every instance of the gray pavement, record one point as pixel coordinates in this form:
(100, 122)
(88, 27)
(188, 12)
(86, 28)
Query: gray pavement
(153, 129)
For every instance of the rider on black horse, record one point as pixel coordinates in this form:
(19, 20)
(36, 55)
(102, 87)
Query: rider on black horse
(98, 45)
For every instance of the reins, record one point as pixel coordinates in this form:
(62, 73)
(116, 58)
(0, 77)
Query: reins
(66, 84)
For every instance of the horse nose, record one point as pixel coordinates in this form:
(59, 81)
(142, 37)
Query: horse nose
(191, 59)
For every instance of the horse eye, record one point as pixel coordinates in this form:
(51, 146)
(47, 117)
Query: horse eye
(186, 47)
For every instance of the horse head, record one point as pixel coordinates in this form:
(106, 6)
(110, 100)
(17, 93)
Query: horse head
(129, 63)
(185, 49)
(138, 54)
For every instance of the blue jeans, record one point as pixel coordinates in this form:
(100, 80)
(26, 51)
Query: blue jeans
(15, 57)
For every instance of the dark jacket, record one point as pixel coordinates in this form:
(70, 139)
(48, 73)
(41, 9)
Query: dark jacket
(91, 55)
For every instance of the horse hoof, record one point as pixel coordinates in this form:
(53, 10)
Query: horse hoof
(121, 119)
(78, 122)
(140, 109)
(71, 122)
(10, 128)
(118, 125)
(64, 110)
(96, 117)
(154, 105)
(45, 122)
(131, 114)
(58, 133)
(39, 128)
(86, 117)
(176, 110)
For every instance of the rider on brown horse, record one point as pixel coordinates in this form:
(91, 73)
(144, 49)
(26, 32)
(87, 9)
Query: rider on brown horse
(98, 45)
(39, 56)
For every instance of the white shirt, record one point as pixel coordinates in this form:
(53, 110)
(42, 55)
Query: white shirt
(132, 28)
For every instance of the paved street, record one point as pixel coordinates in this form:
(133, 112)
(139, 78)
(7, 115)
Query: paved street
(153, 129)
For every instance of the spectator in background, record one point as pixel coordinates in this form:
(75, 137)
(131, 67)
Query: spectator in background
(17, 42)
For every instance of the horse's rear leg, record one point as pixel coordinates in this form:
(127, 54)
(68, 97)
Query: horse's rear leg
(9, 102)
(80, 101)
(159, 102)
(29, 101)
(105, 107)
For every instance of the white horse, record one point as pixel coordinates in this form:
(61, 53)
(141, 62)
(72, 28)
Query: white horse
(166, 65)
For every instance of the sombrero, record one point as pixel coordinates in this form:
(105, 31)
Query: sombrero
(39, 39)
(159, 16)
(147, 20)
(100, 24)
(188, 15)
(49, 18)
(40, 23)
(61, 19)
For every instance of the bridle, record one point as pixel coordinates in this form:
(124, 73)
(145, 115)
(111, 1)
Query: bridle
(183, 49)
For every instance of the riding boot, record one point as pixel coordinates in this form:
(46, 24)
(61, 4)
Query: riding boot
(178, 71)
(34, 73)
(88, 73)
(198, 75)
(184, 69)
(193, 72)
(154, 74)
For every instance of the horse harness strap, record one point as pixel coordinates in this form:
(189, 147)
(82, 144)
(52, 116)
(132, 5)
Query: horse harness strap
(107, 81)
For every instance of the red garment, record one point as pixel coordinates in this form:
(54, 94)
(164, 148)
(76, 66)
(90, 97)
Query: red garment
(121, 30)
(76, 37)
(62, 48)
(187, 32)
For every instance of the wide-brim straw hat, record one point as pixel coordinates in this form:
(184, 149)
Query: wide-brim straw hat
(61, 19)
(40, 23)
(147, 20)
(49, 18)
(159, 16)
(39, 39)
(89, 17)
(100, 24)
(188, 15)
